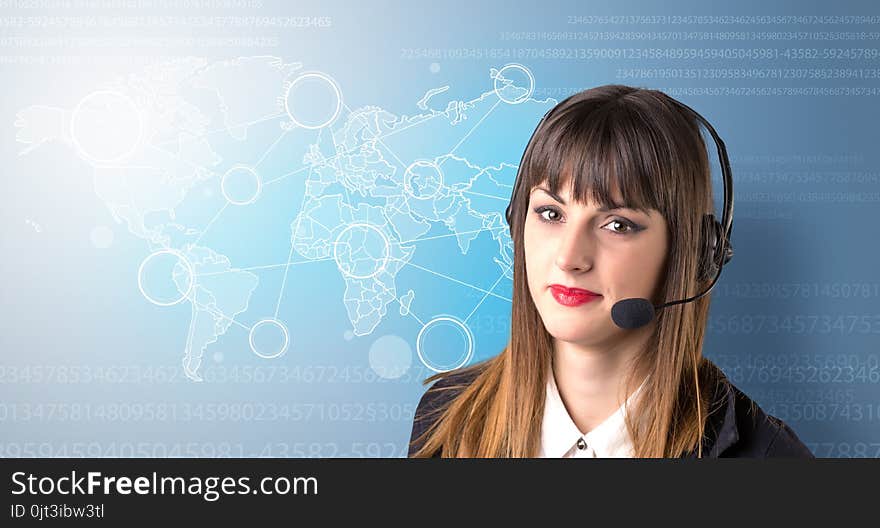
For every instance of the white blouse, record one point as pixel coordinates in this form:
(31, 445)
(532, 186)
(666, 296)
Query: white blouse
(561, 438)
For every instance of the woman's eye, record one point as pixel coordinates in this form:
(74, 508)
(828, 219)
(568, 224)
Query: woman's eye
(629, 227)
(542, 210)
(618, 226)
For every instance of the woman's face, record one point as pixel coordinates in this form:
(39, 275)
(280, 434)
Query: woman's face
(615, 253)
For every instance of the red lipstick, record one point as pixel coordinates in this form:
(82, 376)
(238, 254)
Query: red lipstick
(572, 296)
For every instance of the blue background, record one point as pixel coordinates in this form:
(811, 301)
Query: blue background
(89, 367)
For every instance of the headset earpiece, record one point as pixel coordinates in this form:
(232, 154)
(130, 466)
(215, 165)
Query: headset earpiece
(712, 254)
(708, 266)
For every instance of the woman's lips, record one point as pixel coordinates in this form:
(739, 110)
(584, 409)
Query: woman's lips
(572, 296)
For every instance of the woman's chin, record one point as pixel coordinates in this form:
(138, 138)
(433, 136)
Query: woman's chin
(575, 331)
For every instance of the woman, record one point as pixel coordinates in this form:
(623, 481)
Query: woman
(617, 182)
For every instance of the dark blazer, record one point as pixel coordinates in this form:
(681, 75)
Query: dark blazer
(738, 428)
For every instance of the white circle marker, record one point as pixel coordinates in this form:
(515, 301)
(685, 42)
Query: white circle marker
(273, 322)
(182, 260)
(514, 65)
(464, 330)
(233, 177)
(420, 164)
(386, 251)
(106, 127)
(333, 86)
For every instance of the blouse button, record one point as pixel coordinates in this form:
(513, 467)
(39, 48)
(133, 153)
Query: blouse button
(581, 444)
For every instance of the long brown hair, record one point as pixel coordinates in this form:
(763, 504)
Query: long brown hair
(640, 143)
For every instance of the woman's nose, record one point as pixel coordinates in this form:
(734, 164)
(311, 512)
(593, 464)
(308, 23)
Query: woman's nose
(575, 250)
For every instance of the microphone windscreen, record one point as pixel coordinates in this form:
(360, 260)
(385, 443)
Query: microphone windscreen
(632, 313)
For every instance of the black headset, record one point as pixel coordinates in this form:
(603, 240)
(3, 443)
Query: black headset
(715, 247)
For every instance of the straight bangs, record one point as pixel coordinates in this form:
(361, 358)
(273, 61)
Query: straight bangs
(594, 142)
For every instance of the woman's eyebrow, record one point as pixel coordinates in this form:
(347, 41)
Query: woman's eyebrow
(602, 209)
(551, 193)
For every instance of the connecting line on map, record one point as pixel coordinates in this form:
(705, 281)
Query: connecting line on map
(27, 150)
(272, 146)
(216, 216)
(224, 129)
(449, 154)
(452, 279)
(408, 309)
(284, 264)
(192, 329)
(486, 196)
(279, 178)
(268, 266)
(487, 294)
(284, 280)
(184, 160)
(290, 255)
(457, 233)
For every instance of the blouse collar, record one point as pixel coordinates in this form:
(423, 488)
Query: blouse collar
(609, 439)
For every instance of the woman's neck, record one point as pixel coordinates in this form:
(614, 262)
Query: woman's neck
(590, 380)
